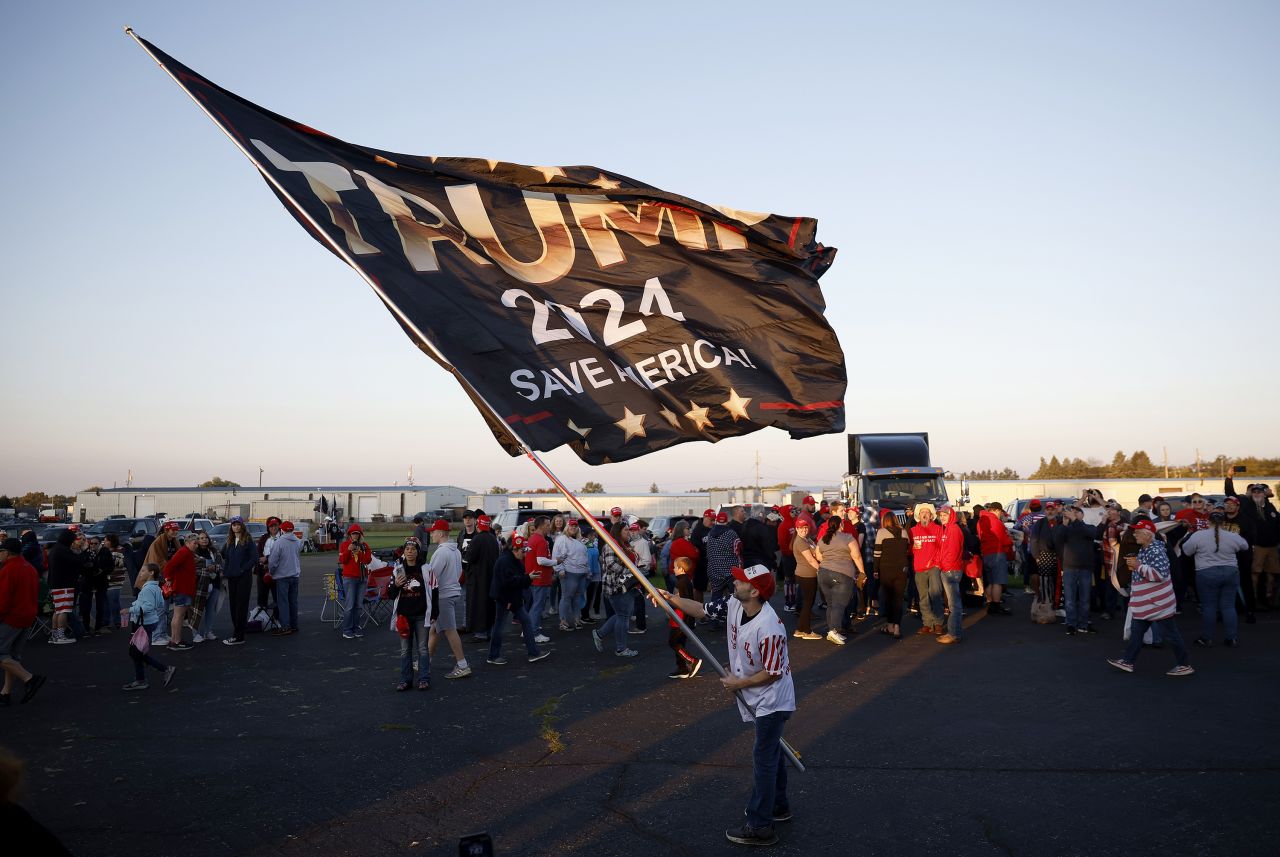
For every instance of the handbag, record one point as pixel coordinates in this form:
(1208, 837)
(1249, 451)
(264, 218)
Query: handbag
(140, 642)
(1042, 611)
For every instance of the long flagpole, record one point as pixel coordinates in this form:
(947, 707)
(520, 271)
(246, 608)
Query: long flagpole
(420, 337)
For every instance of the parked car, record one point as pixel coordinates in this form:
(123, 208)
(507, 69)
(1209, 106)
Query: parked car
(661, 525)
(12, 528)
(219, 534)
(130, 531)
(194, 524)
(510, 519)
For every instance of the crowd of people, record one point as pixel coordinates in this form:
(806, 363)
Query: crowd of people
(841, 571)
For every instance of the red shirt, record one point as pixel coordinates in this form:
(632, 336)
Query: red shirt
(995, 537)
(951, 548)
(683, 547)
(925, 539)
(786, 534)
(351, 558)
(180, 571)
(534, 548)
(19, 592)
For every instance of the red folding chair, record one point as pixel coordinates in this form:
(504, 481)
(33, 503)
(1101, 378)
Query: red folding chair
(377, 609)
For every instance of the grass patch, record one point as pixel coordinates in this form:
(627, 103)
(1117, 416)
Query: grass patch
(395, 727)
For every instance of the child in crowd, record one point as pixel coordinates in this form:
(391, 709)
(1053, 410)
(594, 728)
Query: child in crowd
(687, 665)
(147, 612)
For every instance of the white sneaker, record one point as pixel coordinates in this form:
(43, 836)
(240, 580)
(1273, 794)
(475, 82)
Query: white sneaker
(836, 637)
(627, 653)
(211, 637)
(197, 638)
(542, 638)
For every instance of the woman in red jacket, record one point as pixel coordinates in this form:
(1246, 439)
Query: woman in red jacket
(354, 556)
(951, 564)
(180, 574)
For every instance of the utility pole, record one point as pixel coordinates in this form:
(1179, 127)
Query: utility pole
(759, 498)
(1198, 474)
(1166, 463)
(129, 481)
(259, 477)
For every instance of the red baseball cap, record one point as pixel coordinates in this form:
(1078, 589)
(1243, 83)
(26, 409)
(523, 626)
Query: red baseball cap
(171, 526)
(616, 510)
(287, 526)
(483, 522)
(722, 518)
(517, 543)
(1034, 505)
(635, 528)
(1144, 524)
(760, 578)
(440, 524)
(709, 513)
(808, 501)
(272, 520)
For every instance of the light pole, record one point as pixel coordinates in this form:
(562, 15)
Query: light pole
(259, 477)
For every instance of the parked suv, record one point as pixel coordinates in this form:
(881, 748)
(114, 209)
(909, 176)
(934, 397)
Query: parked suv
(510, 519)
(130, 531)
(661, 525)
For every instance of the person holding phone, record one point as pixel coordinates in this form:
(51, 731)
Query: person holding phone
(354, 556)
(411, 609)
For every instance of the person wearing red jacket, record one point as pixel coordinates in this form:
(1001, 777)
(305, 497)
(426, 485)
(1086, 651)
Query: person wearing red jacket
(541, 571)
(19, 602)
(180, 574)
(997, 553)
(926, 536)
(354, 555)
(951, 569)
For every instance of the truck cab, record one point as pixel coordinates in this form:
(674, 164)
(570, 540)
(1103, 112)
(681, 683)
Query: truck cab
(892, 471)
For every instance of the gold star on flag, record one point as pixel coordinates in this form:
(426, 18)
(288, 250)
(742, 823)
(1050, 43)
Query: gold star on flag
(493, 165)
(548, 172)
(698, 416)
(670, 417)
(605, 183)
(579, 429)
(631, 424)
(736, 405)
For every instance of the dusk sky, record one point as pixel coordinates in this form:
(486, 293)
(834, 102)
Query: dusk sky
(1057, 224)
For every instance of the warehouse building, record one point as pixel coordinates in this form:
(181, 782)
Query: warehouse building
(359, 503)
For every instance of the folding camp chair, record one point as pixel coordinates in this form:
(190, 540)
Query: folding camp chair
(332, 599)
(377, 609)
(44, 616)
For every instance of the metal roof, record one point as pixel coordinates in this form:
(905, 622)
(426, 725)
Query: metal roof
(318, 489)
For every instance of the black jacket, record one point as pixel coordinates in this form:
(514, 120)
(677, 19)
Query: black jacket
(481, 553)
(1265, 521)
(1075, 544)
(755, 543)
(509, 580)
(65, 566)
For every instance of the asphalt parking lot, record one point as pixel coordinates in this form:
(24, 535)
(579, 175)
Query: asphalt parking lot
(1020, 741)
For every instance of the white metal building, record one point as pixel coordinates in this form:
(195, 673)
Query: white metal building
(360, 503)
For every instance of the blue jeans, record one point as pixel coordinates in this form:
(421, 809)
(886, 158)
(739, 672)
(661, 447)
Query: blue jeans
(929, 588)
(417, 631)
(768, 771)
(540, 596)
(113, 607)
(571, 589)
(836, 590)
(211, 605)
(287, 601)
(500, 621)
(142, 661)
(1163, 630)
(1217, 586)
(1077, 585)
(951, 586)
(352, 600)
(617, 622)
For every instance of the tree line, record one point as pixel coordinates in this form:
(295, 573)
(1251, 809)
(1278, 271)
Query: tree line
(1139, 466)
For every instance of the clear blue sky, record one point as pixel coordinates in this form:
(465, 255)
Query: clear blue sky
(1057, 224)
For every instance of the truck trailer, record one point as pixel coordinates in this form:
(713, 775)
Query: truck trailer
(893, 471)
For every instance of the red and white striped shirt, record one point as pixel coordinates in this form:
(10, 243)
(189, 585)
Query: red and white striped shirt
(760, 645)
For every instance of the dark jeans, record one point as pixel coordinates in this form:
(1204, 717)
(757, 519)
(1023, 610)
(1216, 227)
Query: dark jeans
(836, 589)
(93, 595)
(808, 590)
(417, 639)
(140, 661)
(1167, 630)
(637, 610)
(238, 591)
(893, 586)
(500, 622)
(768, 770)
(592, 604)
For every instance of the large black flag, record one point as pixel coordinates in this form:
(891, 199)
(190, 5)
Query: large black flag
(582, 306)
